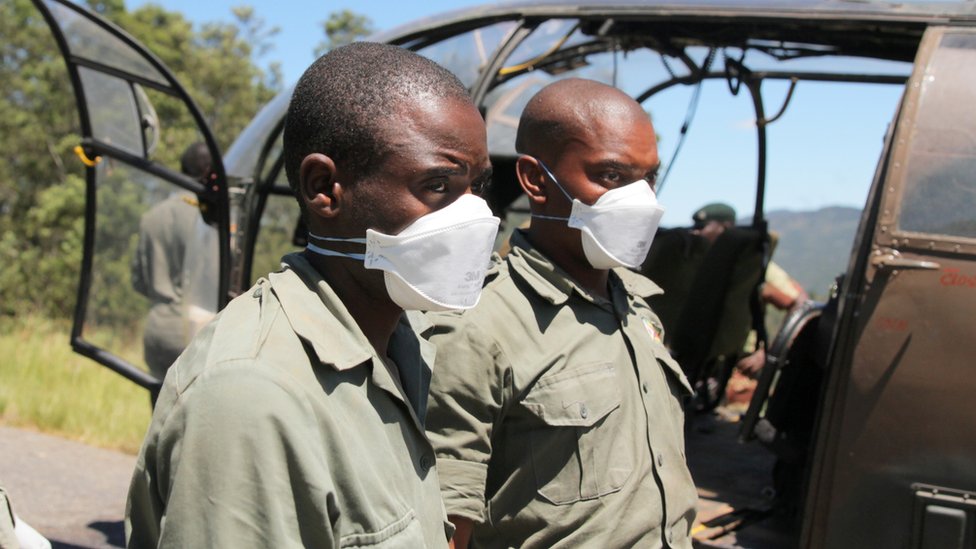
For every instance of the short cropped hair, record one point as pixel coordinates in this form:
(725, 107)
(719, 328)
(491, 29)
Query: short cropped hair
(196, 161)
(343, 105)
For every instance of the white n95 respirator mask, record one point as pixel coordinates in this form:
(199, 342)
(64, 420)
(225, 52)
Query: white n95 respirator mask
(618, 228)
(436, 263)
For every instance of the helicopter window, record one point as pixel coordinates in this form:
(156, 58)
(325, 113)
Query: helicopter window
(89, 41)
(698, 91)
(244, 154)
(114, 114)
(466, 54)
(275, 234)
(940, 191)
(271, 163)
(550, 36)
(131, 202)
(504, 104)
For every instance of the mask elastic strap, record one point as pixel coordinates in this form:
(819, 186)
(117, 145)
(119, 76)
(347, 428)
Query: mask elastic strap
(552, 217)
(556, 181)
(323, 251)
(337, 238)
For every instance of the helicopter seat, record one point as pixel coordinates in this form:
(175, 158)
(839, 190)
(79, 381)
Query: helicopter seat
(709, 306)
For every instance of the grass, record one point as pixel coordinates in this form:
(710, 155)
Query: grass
(45, 386)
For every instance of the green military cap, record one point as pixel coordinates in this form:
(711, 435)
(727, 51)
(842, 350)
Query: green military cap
(716, 211)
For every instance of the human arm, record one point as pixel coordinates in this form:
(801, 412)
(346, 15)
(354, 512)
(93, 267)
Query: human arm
(780, 289)
(783, 300)
(466, 402)
(752, 364)
(462, 532)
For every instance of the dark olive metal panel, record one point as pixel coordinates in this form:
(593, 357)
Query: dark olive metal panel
(944, 518)
(903, 382)
(815, 13)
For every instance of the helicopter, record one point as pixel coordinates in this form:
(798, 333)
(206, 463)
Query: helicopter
(861, 414)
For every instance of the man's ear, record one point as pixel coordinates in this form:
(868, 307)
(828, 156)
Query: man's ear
(319, 185)
(532, 179)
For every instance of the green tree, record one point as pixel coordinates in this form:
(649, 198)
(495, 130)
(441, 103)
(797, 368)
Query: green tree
(216, 64)
(38, 128)
(41, 181)
(341, 28)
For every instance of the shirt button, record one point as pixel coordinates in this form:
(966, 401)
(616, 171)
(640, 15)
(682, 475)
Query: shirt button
(660, 460)
(671, 537)
(426, 462)
(584, 411)
(644, 387)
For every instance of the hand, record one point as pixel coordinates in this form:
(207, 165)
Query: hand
(753, 364)
(462, 532)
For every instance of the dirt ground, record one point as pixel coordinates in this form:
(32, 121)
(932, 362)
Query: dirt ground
(71, 493)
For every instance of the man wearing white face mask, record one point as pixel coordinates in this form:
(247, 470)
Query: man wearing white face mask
(555, 409)
(296, 417)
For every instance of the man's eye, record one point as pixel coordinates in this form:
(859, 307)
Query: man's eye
(437, 186)
(480, 186)
(651, 179)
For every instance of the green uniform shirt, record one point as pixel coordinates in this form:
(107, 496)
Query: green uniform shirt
(281, 427)
(175, 265)
(556, 415)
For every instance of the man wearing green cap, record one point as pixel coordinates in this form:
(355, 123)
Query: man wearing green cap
(711, 220)
(779, 289)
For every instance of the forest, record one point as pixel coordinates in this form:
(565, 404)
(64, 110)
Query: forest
(225, 69)
(220, 63)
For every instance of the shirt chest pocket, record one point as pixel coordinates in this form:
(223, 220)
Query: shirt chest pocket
(404, 533)
(576, 445)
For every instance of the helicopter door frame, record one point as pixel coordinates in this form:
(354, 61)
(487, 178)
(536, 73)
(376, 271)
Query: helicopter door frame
(214, 195)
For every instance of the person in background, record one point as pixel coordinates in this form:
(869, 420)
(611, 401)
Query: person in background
(555, 409)
(295, 418)
(174, 263)
(779, 289)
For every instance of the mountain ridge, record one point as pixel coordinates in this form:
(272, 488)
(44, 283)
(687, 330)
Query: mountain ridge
(814, 245)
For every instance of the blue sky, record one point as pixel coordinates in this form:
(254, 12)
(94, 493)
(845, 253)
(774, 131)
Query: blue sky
(300, 21)
(822, 152)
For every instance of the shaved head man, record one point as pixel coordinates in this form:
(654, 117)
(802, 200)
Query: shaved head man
(295, 419)
(599, 139)
(556, 412)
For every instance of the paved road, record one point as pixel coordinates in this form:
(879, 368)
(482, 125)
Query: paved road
(72, 493)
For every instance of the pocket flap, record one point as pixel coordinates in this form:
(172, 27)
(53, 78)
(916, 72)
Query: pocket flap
(578, 397)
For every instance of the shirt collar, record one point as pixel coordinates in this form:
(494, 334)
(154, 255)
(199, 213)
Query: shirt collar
(336, 339)
(326, 325)
(555, 285)
(637, 284)
(538, 271)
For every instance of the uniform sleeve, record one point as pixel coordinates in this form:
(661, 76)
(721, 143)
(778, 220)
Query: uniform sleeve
(781, 290)
(234, 464)
(466, 401)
